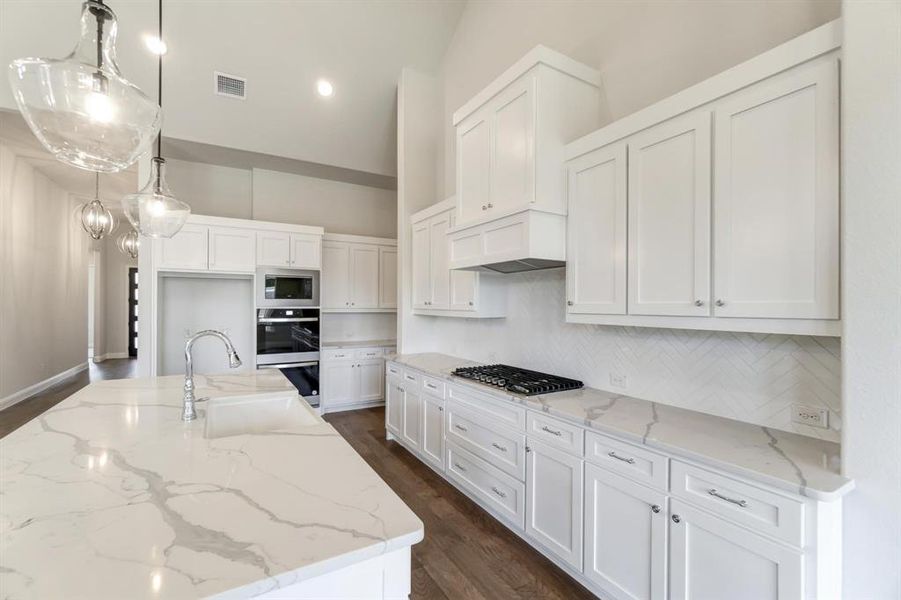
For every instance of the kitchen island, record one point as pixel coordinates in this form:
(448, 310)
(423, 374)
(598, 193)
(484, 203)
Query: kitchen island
(110, 495)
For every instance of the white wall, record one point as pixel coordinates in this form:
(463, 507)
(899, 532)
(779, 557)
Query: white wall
(871, 173)
(212, 189)
(43, 277)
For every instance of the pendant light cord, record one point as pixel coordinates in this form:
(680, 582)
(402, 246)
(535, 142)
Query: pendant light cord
(159, 139)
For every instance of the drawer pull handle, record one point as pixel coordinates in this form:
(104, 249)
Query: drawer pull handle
(460, 468)
(655, 508)
(499, 447)
(460, 427)
(410, 377)
(440, 409)
(631, 461)
(498, 492)
(551, 431)
(716, 494)
(431, 386)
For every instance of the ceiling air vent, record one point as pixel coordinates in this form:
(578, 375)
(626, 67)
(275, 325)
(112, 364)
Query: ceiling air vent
(229, 85)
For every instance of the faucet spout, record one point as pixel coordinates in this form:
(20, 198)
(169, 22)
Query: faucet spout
(189, 412)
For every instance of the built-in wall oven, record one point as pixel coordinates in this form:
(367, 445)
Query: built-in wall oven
(287, 288)
(288, 340)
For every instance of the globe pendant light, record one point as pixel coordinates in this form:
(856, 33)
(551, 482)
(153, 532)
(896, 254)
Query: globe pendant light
(155, 211)
(80, 107)
(128, 243)
(96, 219)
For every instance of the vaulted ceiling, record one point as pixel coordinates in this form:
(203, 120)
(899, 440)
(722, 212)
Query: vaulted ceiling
(282, 47)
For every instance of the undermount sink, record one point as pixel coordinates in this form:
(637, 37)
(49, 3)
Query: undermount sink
(258, 413)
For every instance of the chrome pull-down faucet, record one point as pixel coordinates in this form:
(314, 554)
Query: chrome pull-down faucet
(189, 413)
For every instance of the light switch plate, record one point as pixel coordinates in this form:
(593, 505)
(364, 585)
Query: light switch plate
(618, 380)
(809, 415)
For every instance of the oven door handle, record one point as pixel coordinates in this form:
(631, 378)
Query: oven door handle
(288, 320)
(289, 365)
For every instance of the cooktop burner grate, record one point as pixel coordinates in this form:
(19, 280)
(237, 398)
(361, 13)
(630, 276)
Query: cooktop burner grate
(519, 381)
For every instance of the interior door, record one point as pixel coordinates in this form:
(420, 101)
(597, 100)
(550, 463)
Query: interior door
(513, 146)
(554, 484)
(364, 267)
(473, 169)
(625, 535)
(273, 249)
(669, 218)
(422, 278)
(335, 278)
(387, 277)
(776, 200)
(711, 558)
(596, 233)
(438, 268)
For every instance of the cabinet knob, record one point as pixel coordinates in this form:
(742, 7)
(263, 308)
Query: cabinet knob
(699, 303)
(528, 449)
(655, 508)
(720, 303)
(353, 304)
(490, 205)
(569, 302)
(484, 207)
(676, 519)
(470, 303)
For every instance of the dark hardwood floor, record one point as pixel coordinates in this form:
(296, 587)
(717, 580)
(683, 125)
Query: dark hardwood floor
(466, 553)
(17, 415)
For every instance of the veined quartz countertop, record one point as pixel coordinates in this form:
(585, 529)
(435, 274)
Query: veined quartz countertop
(110, 495)
(359, 344)
(792, 462)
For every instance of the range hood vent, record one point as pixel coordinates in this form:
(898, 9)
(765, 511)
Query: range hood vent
(521, 266)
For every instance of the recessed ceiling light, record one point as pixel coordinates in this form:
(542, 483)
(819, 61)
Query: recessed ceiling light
(324, 88)
(155, 44)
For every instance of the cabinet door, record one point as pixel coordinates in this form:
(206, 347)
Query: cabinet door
(625, 535)
(335, 277)
(776, 197)
(340, 383)
(473, 157)
(554, 501)
(387, 277)
(306, 251)
(371, 375)
(596, 233)
(232, 249)
(412, 419)
(433, 430)
(513, 146)
(422, 278)
(187, 249)
(394, 404)
(463, 290)
(438, 267)
(364, 282)
(273, 249)
(711, 558)
(669, 218)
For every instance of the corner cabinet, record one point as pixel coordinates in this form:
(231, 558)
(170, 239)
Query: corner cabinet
(725, 217)
(359, 274)
(439, 290)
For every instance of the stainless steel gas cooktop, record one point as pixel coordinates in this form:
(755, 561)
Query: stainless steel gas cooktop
(518, 381)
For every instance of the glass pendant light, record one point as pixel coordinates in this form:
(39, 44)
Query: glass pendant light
(96, 219)
(128, 243)
(80, 107)
(155, 211)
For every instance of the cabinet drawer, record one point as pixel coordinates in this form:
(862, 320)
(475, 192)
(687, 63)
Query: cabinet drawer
(367, 353)
(337, 354)
(763, 511)
(504, 411)
(639, 464)
(433, 386)
(394, 369)
(411, 377)
(556, 433)
(496, 490)
(487, 439)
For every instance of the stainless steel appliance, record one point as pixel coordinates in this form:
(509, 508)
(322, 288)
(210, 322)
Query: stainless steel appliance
(288, 340)
(287, 288)
(516, 380)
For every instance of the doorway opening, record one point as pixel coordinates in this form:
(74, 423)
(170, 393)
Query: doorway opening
(133, 312)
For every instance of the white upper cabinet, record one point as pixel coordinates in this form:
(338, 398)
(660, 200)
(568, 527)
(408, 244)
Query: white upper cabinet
(273, 248)
(438, 269)
(359, 274)
(306, 251)
(669, 218)
(387, 277)
(596, 233)
(510, 140)
(364, 276)
(232, 249)
(335, 278)
(777, 197)
(186, 250)
(422, 273)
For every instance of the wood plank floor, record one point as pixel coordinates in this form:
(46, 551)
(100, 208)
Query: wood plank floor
(466, 553)
(18, 414)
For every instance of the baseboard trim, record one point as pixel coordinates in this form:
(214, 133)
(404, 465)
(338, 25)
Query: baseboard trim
(37, 388)
(109, 355)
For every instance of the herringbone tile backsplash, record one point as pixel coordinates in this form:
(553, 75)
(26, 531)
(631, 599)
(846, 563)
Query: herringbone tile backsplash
(745, 376)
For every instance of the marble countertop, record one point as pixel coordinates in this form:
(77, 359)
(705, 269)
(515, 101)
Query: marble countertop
(110, 495)
(359, 344)
(788, 461)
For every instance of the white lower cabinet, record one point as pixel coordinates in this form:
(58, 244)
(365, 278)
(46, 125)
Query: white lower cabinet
(352, 378)
(625, 535)
(711, 558)
(394, 402)
(554, 482)
(432, 448)
(411, 415)
(498, 492)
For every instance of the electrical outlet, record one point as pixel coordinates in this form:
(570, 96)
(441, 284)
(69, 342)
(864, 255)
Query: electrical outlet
(808, 415)
(618, 380)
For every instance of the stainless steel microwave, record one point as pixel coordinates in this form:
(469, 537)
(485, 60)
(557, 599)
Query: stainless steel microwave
(287, 288)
